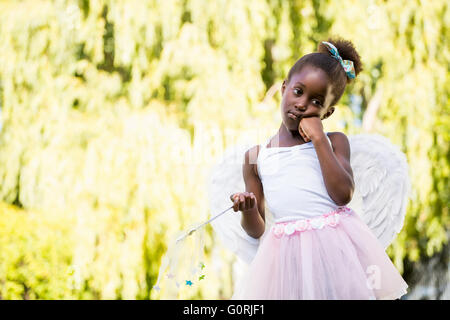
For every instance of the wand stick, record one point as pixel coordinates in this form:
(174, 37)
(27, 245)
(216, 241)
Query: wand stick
(192, 230)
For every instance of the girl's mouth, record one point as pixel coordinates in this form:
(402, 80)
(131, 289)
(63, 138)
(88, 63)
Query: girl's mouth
(292, 116)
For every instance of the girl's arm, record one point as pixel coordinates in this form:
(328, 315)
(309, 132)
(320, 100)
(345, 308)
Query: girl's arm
(336, 170)
(253, 220)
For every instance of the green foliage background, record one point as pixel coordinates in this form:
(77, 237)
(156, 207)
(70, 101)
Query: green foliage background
(112, 113)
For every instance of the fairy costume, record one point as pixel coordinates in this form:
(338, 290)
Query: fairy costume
(314, 249)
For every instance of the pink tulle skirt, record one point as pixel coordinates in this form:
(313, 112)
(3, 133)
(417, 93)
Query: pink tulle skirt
(333, 256)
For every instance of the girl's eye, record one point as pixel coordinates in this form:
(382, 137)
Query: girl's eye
(317, 102)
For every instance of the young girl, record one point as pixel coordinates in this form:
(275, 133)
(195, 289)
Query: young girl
(318, 247)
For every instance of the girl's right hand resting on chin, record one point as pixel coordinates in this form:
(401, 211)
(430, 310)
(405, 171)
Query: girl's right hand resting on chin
(243, 201)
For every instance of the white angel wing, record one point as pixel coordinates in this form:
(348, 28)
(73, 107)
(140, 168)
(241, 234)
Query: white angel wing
(225, 178)
(382, 184)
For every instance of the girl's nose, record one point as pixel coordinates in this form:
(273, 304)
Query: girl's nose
(300, 106)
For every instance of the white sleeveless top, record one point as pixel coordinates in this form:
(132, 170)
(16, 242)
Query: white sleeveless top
(292, 182)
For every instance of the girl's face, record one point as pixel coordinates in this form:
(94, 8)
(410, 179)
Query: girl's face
(307, 94)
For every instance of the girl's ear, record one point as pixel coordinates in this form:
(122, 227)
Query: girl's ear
(283, 87)
(328, 113)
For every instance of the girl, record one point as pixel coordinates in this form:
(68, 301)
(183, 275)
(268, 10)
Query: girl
(318, 248)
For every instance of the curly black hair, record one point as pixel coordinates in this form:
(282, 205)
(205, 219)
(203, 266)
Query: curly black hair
(324, 60)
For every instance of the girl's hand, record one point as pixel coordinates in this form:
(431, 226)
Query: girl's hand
(310, 128)
(243, 201)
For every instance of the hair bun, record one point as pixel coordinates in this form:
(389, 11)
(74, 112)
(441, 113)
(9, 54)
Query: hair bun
(346, 50)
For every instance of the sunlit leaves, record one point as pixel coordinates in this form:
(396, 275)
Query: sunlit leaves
(113, 111)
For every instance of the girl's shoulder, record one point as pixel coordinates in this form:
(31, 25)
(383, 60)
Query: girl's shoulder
(339, 141)
(251, 157)
(337, 135)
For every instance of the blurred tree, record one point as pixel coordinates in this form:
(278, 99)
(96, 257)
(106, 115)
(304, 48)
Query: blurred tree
(113, 111)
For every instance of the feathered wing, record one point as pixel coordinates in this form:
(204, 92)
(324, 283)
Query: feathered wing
(382, 184)
(226, 178)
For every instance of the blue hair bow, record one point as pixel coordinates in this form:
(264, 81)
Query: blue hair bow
(346, 64)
